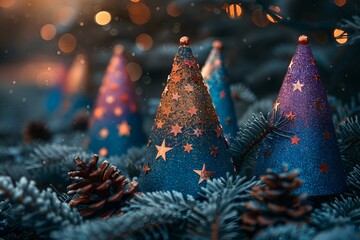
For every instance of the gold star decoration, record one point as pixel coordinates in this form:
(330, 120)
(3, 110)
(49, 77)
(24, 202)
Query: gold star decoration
(323, 168)
(118, 111)
(114, 86)
(295, 140)
(204, 174)
(190, 63)
(176, 96)
(189, 88)
(109, 99)
(99, 112)
(146, 168)
(188, 148)
(218, 131)
(103, 152)
(176, 67)
(124, 128)
(317, 76)
(313, 62)
(327, 135)
(192, 111)
(291, 116)
(159, 124)
(176, 78)
(222, 94)
(197, 132)
(104, 133)
(276, 105)
(267, 153)
(176, 129)
(162, 150)
(167, 111)
(214, 151)
(319, 105)
(298, 86)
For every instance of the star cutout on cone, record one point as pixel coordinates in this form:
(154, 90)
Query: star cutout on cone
(159, 124)
(110, 99)
(176, 67)
(104, 133)
(176, 129)
(197, 132)
(298, 86)
(327, 135)
(218, 131)
(214, 151)
(190, 63)
(267, 153)
(167, 111)
(188, 148)
(176, 78)
(162, 150)
(276, 105)
(222, 94)
(291, 116)
(204, 174)
(118, 111)
(146, 168)
(323, 168)
(124, 128)
(192, 111)
(99, 112)
(295, 140)
(176, 96)
(317, 76)
(189, 88)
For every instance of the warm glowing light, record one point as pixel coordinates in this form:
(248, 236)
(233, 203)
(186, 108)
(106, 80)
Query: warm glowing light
(173, 9)
(103, 152)
(7, 3)
(109, 99)
(259, 18)
(118, 111)
(340, 36)
(103, 18)
(134, 70)
(104, 133)
(234, 11)
(67, 43)
(64, 15)
(135, 1)
(144, 41)
(275, 16)
(340, 3)
(48, 32)
(139, 13)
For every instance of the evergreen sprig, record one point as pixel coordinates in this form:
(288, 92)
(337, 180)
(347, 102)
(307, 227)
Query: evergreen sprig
(353, 182)
(339, 233)
(40, 210)
(240, 92)
(263, 105)
(245, 147)
(342, 211)
(351, 29)
(288, 232)
(349, 143)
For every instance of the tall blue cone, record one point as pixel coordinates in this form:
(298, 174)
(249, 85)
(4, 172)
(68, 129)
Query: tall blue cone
(313, 147)
(215, 75)
(186, 147)
(116, 123)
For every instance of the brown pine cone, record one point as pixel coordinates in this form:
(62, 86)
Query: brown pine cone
(100, 191)
(275, 203)
(36, 131)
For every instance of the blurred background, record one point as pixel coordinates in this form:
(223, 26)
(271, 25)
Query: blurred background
(50, 50)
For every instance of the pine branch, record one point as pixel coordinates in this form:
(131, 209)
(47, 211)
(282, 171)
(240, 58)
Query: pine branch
(287, 231)
(130, 163)
(242, 93)
(349, 143)
(260, 128)
(41, 211)
(343, 112)
(262, 105)
(339, 233)
(353, 182)
(340, 212)
(351, 29)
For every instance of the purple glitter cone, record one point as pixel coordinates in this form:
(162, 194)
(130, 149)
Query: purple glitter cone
(313, 146)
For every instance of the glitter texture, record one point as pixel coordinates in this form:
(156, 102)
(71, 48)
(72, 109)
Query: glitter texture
(215, 76)
(116, 123)
(313, 147)
(180, 153)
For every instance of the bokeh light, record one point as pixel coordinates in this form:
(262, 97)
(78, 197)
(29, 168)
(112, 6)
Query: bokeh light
(48, 32)
(103, 18)
(144, 41)
(234, 11)
(67, 43)
(340, 3)
(7, 3)
(340, 36)
(274, 15)
(134, 70)
(259, 19)
(139, 13)
(64, 15)
(173, 9)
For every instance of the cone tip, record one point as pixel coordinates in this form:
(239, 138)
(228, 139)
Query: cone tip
(118, 49)
(217, 44)
(184, 41)
(303, 39)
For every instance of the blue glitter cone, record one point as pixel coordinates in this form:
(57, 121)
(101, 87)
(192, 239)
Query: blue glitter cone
(313, 147)
(215, 75)
(116, 124)
(186, 147)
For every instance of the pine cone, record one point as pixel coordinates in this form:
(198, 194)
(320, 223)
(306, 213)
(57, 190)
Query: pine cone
(36, 131)
(275, 203)
(100, 191)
